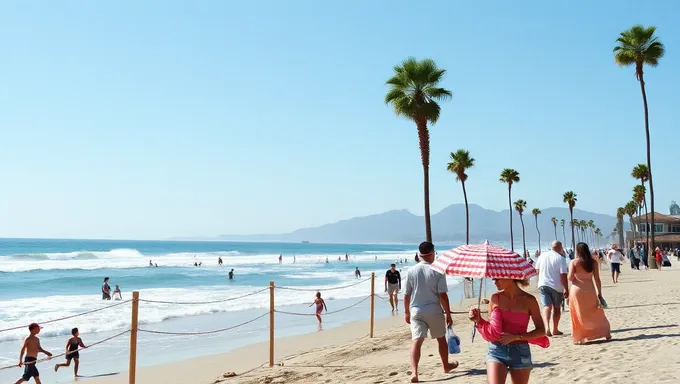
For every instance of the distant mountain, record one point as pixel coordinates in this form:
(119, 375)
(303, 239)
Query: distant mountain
(401, 226)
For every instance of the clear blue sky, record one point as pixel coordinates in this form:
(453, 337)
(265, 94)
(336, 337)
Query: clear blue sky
(152, 119)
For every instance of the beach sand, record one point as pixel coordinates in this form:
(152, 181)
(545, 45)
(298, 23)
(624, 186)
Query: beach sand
(644, 311)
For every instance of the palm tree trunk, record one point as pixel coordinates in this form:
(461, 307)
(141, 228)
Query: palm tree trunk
(524, 242)
(424, 143)
(555, 225)
(646, 223)
(467, 215)
(564, 236)
(652, 261)
(539, 235)
(573, 238)
(512, 242)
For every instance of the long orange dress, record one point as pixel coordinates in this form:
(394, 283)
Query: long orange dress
(588, 321)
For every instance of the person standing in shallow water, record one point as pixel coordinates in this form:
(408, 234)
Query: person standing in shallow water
(106, 289)
(392, 286)
(424, 299)
(320, 306)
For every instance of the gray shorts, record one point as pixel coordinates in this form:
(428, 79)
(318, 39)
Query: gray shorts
(550, 297)
(435, 323)
(392, 289)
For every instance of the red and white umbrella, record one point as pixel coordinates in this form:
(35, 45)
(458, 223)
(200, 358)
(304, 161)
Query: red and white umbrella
(484, 261)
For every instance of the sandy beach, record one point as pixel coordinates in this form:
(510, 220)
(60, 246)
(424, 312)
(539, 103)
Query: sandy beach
(643, 311)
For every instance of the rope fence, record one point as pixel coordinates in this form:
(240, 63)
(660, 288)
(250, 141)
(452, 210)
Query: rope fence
(134, 325)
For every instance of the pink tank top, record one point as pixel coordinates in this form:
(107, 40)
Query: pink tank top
(514, 323)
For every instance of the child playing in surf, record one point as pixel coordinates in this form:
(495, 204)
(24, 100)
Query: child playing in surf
(31, 348)
(117, 295)
(320, 306)
(72, 346)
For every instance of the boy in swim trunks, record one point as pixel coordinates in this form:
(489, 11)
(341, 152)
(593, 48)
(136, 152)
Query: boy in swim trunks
(72, 346)
(31, 348)
(320, 306)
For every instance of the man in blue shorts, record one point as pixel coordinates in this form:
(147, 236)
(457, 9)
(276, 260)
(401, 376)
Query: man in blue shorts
(553, 287)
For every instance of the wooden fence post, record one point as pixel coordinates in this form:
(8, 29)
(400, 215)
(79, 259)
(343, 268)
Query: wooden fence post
(372, 301)
(133, 336)
(271, 324)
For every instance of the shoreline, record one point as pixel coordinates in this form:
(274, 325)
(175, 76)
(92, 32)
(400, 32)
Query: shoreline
(346, 354)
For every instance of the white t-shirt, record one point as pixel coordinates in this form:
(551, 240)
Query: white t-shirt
(551, 265)
(615, 256)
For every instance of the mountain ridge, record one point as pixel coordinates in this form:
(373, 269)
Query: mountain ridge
(448, 225)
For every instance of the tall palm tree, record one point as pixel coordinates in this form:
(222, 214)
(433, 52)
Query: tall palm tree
(554, 221)
(564, 236)
(591, 227)
(537, 212)
(510, 176)
(576, 225)
(598, 235)
(641, 172)
(570, 198)
(630, 210)
(414, 93)
(639, 46)
(460, 162)
(620, 211)
(520, 206)
(583, 226)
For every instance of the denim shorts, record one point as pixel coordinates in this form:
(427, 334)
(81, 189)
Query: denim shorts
(550, 297)
(513, 356)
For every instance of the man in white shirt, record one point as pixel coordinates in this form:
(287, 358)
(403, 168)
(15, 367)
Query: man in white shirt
(426, 305)
(615, 259)
(553, 287)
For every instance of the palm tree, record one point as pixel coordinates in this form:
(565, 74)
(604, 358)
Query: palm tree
(564, 237)
(583, 225)
(577, 226)
(639, 46)
(620, 211)
(414, 93)
(510, 176)
(570, 198)
(639, 192)
(554, 221)
(598, 234)
(460, 162)
(641, 172)
(630, 210)
(537, 212)
(591, 226)
(520, 205)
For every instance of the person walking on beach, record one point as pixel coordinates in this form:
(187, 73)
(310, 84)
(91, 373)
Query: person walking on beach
(615, 259)
(659, 258)
(424, 298)
(588, 321)
(553, 287)
(320, 306)
(31, 348)
(106, 289)
(506, 331)
(392, 286)
(72, 346)
(357, 273)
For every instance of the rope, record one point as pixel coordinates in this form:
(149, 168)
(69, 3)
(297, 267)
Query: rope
(67, 317)
(324, 289)
(67, 353)
(327, 313)
(204, 302)
(203, 333)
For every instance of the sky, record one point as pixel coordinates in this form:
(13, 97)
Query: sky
(156, 119)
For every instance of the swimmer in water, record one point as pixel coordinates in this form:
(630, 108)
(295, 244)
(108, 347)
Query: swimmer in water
(231, 274)
(116, 291)
(320, 306)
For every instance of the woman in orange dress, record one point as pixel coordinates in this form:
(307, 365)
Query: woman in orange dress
(588, 321)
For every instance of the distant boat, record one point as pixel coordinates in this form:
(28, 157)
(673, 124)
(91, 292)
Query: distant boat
(305, 242)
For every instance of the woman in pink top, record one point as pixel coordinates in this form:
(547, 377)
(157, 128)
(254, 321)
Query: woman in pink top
(588, 321)
(506, 331)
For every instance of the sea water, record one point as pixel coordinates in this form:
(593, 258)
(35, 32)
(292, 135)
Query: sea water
(42, 280)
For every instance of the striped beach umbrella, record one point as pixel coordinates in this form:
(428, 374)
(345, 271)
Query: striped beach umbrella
(484, 261)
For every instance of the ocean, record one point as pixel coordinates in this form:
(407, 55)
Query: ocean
(43, 279)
